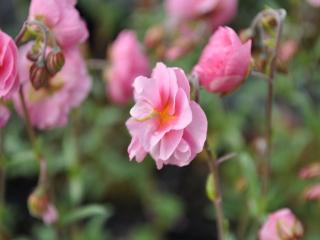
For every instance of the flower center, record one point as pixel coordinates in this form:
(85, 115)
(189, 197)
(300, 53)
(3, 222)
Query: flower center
(164, 115)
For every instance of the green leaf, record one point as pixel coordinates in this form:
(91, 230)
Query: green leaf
(86, 212)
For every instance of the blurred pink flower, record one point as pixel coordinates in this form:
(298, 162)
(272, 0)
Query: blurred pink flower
(127, 62)
(214, 12)
(164, 121)
(4, 115)
(8, 66)
(224, 63)
(49, 108)
(50, 215)
(281, 225)
(310, 171)
(191, 9)
(287, 50)
(314, 3)
(312, 193)
(223, 14)
(62, 18)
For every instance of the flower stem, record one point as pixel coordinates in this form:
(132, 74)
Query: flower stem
(217, 201)
(279, 16)
(2, 170)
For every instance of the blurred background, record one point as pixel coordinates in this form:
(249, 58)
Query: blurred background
(101, 195)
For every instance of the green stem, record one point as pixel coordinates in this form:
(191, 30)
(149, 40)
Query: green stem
(279, 16)
(217, 201)
(2, 170)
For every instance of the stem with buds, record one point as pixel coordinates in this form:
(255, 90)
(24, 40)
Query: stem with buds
(279, 16)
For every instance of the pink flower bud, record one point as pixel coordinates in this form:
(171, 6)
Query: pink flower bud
(8, 66)
(224, 63)
(4, 116)
(281, 225)
(165, 122)
(127, 62)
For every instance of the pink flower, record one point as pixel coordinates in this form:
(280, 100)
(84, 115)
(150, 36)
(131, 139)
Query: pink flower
(224, 63)
(287, 50)
(127, 62)
(50, 215)
(310, 171)
(62, 18)
(312, 193)
(214, 12)
(4, 115)
(49, 108)
(191, 9)
(8, 66)
(223, 14)
(281, 225)
(164, 121)
(314, 3)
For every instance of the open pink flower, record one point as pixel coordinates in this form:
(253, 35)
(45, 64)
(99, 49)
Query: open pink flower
(62, 18)
(281, 225)
(164, 121)
(49, 108)
(127, 62)
(8, 66)
(4, 116)
(224, 63)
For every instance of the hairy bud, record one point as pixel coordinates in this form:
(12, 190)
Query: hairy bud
(39, 76)
(54, 62)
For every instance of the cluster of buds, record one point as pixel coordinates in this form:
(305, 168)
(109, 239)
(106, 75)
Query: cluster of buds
(44, 68)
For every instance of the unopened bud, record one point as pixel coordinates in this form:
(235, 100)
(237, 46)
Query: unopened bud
(38, 202)
(39, 76)
(40, 206)
(34, 53)
(54, 62)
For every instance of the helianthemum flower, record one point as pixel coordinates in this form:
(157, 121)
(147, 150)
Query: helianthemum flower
(62, 18)
(165, 122)
(127, 62)
(8, 66)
